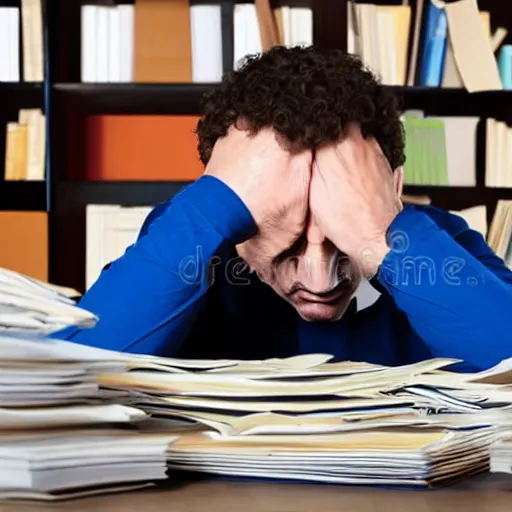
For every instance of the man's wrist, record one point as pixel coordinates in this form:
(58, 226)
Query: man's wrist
(372, 256)
(223, 208)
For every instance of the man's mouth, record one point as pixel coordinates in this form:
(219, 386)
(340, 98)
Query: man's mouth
(328, 297)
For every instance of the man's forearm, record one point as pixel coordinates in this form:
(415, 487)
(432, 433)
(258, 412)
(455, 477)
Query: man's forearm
(147, 300)
(454, 302)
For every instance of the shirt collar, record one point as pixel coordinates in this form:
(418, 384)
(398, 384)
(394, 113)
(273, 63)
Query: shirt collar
(366, 295)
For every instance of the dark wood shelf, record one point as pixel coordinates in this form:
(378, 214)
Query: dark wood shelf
(483, 192)
(147, 193)
(133, 99)
(16, 95)
(185, 98)
(459, 198)
(126, 193)
(143, 193)
(23, 195)
(448, 101)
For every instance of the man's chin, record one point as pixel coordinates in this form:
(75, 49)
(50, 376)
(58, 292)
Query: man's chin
(319, 312)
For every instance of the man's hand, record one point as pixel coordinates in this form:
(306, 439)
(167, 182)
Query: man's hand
(272, 181)
(354, 197)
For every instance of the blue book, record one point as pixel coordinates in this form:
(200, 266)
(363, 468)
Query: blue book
(434, 47)
(505, 66)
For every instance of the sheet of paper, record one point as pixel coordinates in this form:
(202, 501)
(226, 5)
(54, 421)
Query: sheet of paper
(50, 417)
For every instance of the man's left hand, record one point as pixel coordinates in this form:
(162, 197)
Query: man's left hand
(354, 197)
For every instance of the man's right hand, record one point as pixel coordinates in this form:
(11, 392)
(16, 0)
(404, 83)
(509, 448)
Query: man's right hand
(272, 181)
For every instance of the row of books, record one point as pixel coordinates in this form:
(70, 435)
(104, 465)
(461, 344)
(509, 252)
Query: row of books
(442, 150)
(155, 41)
(289, 26)
(25, 26)
(445, 45)
(77, 420)
(25, 147)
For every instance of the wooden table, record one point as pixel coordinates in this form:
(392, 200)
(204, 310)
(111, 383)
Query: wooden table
(482, 494)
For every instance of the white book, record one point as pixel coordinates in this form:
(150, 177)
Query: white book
(4, 45)
(508, 157)
(110, 230)
(126, 41)
(368, 28)
(102, 44)
(386, 47)
(301, 20)
(33, 45)
(239, 35)
(491, 175)
(206, 33)
(501, 154)
(14, 43)
(461, 133)
(352, 37)
(247, 38)
(89, 41)
(287, 25)
(35, 121)
(114, 44)
(476, 217)
(253, 36)
(9, 44)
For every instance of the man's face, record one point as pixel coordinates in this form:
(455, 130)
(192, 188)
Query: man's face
(312, 275)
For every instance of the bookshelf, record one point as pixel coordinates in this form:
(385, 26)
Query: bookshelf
(68, 103)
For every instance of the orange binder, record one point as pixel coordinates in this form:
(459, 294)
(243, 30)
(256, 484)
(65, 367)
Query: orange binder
(142, 148)
(24, 243)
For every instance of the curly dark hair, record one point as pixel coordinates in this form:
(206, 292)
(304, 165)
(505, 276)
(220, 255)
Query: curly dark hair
(308, 96)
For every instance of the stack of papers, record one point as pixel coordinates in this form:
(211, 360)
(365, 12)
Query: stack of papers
(309, 384)
(77, 420)
(60, 432)
(304, 418)
(29, 305)
(404, 457)
(300, 418)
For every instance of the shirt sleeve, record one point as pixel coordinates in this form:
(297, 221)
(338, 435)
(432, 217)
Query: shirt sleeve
(455, 292)
(148, 299)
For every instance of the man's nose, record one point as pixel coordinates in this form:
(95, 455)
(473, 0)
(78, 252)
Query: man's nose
(317, 264)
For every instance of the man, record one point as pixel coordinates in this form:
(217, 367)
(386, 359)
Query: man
(295, 239)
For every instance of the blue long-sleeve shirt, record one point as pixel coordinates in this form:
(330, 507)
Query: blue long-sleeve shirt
(181, 291)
